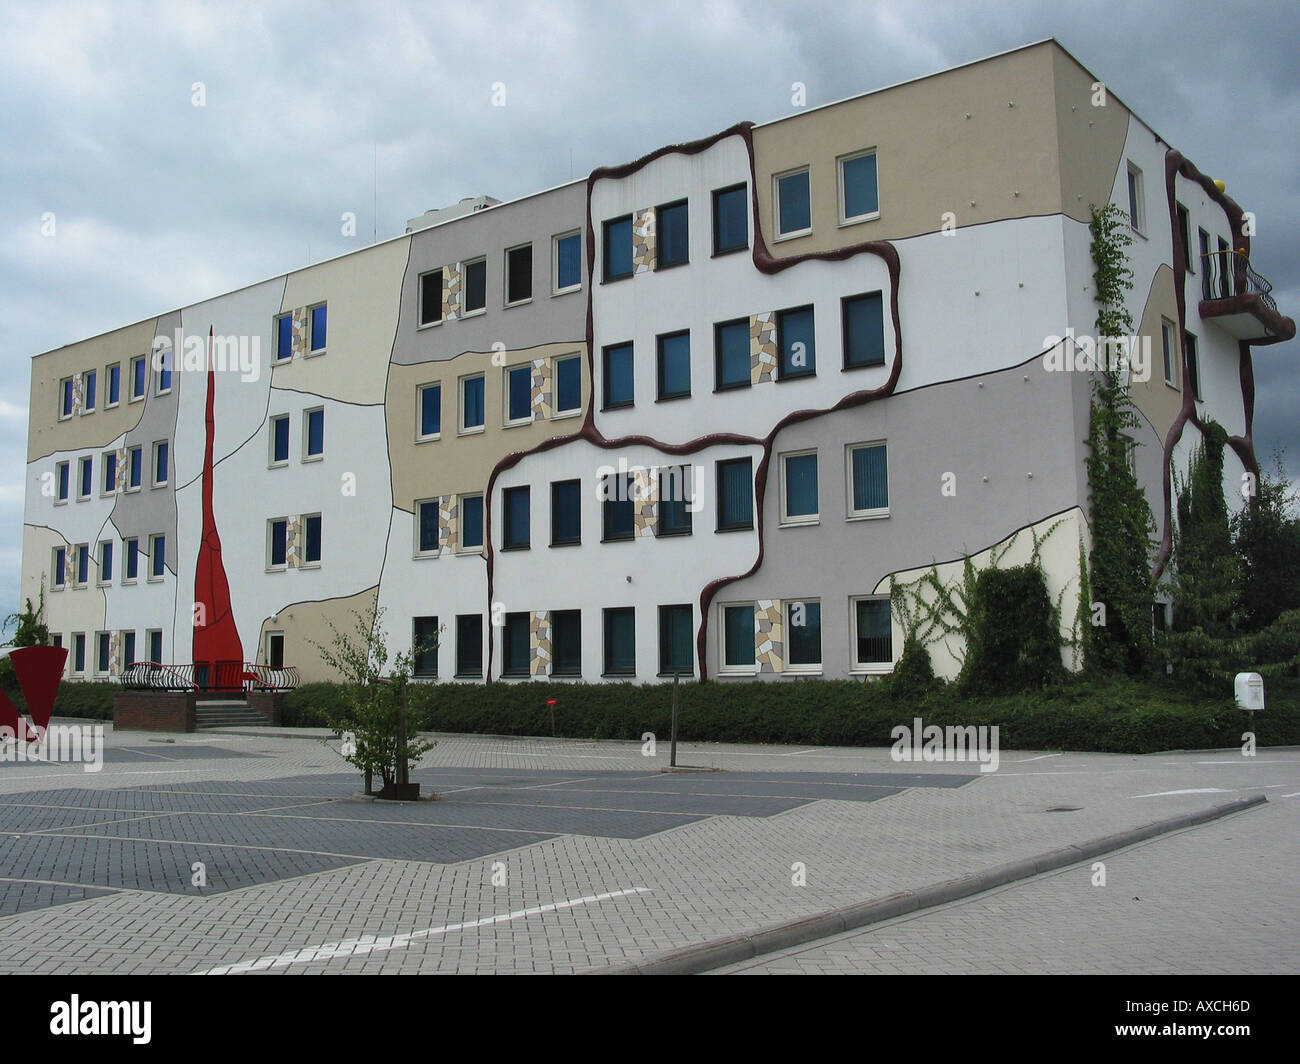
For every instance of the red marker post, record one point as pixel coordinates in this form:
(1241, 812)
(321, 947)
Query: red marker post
(551, 702)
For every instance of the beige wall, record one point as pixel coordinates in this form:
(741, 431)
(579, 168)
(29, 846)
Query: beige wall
(308, 623)
(1051, 152)
(363, 293)
(46, 433)
(454, 463)
(1157, 401)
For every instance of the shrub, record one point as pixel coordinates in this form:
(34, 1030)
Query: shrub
(1014, 640)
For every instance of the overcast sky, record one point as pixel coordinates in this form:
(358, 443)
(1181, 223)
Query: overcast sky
(159, 203)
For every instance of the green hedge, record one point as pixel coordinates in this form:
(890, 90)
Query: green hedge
(1122, 715)
(76, 698)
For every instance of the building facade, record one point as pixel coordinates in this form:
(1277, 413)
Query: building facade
(695, 414)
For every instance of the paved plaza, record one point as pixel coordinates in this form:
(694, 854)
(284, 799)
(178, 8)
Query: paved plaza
(231, 851)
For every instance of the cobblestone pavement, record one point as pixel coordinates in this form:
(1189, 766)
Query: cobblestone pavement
(1220, 898)
(607, 862)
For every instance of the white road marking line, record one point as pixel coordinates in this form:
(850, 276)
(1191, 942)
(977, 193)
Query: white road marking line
(1245, 761)
(102, 774)
(1193, 790)
(1296, 794)
(1040, 757)
(356, 947)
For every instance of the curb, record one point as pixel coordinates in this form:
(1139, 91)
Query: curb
(718, 953)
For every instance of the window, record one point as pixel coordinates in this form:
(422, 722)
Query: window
(1193, 366)
(113, 375)
(424, 643)
(426, 526)
(163, 383)
(673, 362)
(1203, 243)
(83, 565)
(568, 385)
(277, 543)
(674, 501)
(730, 220)
(731, 354)
(519, 394)
(1224, 271)
(67, 397)
(1185, 235)
(59, 575)
(85, 477)
(139, 378)
(469, 645)
(154, 637)
(160, 450)
(672, 240)
(793, 204)
(618, 376)
(1168, 330)
(617, 502)
(618, 248)
(135, 468)
(430, 412)
(317, 315)
(128, 646)
(279, 439)
(799, 488)
(568, 262)
(566, 512)
(78, 652)
(566, 642)
(471, 522)
(796, 344)
(514, 502)
(311, 550)
(859, 195)
(275, 649)
(864, 330)
(431, 297)
(735, 495)
(738, 637)
(1136, 208)
(620, 642)
(313, 426)
(102, 656)
(88, 383)
(56, 639)
(283, 337)
(519, 274)
(873, 640)
(676, 646)
(868, 480)
(63, 476)
(106, 561)
(157, 557)
(803, 632)
(514, 645)
(130, 560)
(475, 286)
(471, 403)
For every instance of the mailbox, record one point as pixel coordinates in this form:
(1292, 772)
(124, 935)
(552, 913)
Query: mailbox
(1249, 687)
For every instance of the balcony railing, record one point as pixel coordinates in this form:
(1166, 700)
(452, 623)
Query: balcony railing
(208, 676)
(1228, 274)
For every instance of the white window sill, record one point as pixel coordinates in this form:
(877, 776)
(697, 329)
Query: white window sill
(58, 587)
(111, 406)
(313, 458)
(518, 424)
(874, 216)
(271, 569)
(475, 431)
(430, 324)
(798, 522)
(65, 417)
(473, 313)
(278, 464)
(60, 502)
(314, 354)
(566, 291)
(129, 581)
(469, 552)
(131, 491)
(567, 414)
(429, 439)
(734, 671)
(868, 516)
(791, 236)
(154, 580)
(136, 399)
(802, 670)
(309, 565)
(871, 670)
(517, 303)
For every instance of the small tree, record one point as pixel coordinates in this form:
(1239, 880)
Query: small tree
(1266, 534)
(30, 630)
(373, 701)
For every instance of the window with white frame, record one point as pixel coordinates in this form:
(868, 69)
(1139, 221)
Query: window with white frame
(568, 385)
(566, 262)
(873, 635)
(803, 635)
(1169, 350)
(475, 290)
(426, 527)
(519, 394)
(799, 499)
(429, 412)
(157, 556)
(792, 203)
(1136, 200)
(519, 274)
(472, 396)
(737, 643)
(859, 190)
(867, 466)
(313, 434)
(279, 439)
(431, 297)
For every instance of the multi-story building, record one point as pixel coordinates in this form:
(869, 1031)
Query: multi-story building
(697, 413)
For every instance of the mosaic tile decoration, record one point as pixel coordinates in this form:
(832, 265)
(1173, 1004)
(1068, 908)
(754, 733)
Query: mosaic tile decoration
(643, 241)
(769, 642)
(762, 347)
(539, 643)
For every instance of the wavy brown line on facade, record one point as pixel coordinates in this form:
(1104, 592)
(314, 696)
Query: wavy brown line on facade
(763, 261)
(1243, 445)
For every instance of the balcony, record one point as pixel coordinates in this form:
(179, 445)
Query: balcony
(1239, 300)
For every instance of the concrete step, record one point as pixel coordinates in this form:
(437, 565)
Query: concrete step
(226, 713)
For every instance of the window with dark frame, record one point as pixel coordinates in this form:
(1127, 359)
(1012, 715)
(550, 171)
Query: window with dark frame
(566, 513)
(730, 219)
(731, 354)
(617, 247)
(515, 653)
(519, 274)
(469, 645)
(864, 330)
(738, 636)
(475, 285)
(619, 381)
(620, 641)
(796, 343)
(515, 510)
(617, 508)
(794, 207)
(673, 365)
(431, 297)
(672, 240)
(566, 642)
(471, 522)
(424, 641)
(674, 501)
(874, 632)
(311, 535)
(676, 640)
(735, 494)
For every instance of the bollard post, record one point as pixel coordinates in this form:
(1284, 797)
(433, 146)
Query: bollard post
(672, 760)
